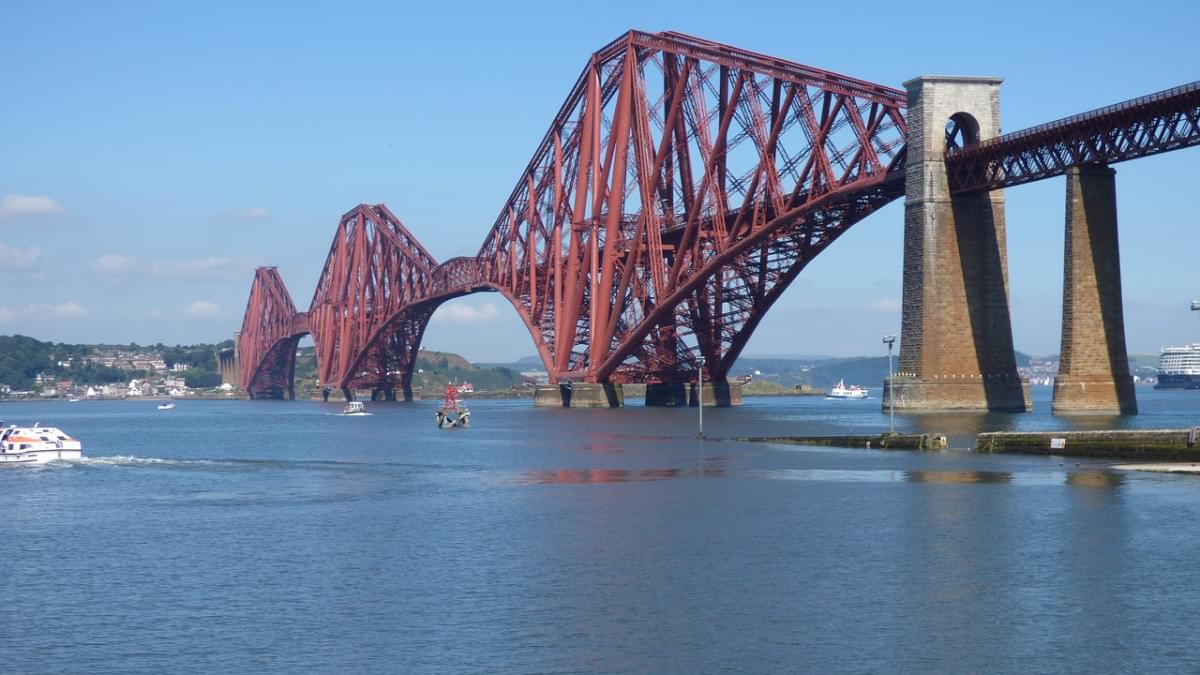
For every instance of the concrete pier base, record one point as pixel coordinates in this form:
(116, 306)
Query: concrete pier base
(1094, 395)
(275, 394)
(1093, 367)
(391, 394)
(999, 394)
(716, 395)
(672, 394)
(666, 394)
(579, 395)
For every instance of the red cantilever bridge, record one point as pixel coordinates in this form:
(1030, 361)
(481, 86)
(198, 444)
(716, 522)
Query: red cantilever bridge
(681, 187)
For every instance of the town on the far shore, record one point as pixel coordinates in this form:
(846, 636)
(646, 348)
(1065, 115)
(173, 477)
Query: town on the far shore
(33, 369)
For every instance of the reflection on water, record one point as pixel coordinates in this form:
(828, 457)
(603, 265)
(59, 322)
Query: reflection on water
(958, 424)
(578, 476)
(958, 477)
(1104, 480)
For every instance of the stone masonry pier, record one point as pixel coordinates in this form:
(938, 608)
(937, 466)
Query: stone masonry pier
(956, 350)
(1093, 367)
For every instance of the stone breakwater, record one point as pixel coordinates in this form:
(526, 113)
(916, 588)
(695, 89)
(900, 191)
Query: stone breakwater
(879, 441)
(1179, 445)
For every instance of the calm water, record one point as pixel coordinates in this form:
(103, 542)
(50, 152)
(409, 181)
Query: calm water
(278, 537)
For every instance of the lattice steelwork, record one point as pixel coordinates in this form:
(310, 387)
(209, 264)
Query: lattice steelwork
(680, 188)
(271, 329)
(1168, 120)
(365, 315)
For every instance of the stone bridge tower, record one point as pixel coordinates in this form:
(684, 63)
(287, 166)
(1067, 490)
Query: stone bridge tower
(956, 347)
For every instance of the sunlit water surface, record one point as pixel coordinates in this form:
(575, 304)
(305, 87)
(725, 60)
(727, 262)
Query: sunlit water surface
(241, 536)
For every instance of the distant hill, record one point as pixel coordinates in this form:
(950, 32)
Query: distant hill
(868, 371)
(1144, 361)
(434, 371)
(524, 363)
(809, 358)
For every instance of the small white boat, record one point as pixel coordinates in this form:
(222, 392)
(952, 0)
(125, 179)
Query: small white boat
(355, 408)
(37, 445)
(166, 405)
(840, 390)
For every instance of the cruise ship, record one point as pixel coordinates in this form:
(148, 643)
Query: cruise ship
(1179, 367)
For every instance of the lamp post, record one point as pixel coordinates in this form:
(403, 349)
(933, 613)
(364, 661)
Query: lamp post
(889, 340)
(700, 396)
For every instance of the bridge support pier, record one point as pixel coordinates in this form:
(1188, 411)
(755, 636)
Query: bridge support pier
(389, 393)
(666, 394)
(579, 395)
(672, 394)
(956, 350)
(716, 395)
(1093, 366)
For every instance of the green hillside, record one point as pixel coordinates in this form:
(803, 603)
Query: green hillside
(23, 358)
(436, 369)
(433, 371)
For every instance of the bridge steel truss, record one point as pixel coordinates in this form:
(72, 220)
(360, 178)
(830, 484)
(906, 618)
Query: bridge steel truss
(271, 329)
(1161, 122)
(372, 303)
(680, 188)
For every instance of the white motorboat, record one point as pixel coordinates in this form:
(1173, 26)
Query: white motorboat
(37, 445)
(840, 390)
(355, 408)
(166, 405)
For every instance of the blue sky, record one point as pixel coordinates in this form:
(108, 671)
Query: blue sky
(152, 154)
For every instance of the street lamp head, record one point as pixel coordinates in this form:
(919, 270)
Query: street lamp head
(889, 339)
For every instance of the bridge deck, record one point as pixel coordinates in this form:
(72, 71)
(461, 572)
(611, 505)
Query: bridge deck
(1148, 125)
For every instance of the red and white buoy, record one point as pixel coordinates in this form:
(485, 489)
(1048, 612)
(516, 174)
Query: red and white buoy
(451, 415)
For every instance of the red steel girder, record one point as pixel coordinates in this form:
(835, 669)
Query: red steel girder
(672, 157)
(374, 272)
(1161, 122)
(271, 328)
(681, 187)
